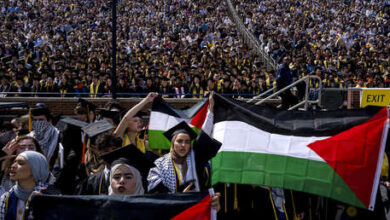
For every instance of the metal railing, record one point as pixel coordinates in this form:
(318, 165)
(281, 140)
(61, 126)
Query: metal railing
(108, 95)
(304, 102)
(249, 39)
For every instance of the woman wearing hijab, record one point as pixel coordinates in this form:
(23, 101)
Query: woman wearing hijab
(128, 170)
(12, 150)
(125, 179)
(178, 171)
(30, 170)
(175, 170)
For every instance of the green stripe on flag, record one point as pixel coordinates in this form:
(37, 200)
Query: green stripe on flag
(157, 140)
(281, 171)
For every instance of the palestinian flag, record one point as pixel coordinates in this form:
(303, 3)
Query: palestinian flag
(163, 206)
(164, 116)
(337, 154)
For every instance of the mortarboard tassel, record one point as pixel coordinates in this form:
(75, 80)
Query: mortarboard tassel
(83, 152)
(225, 190)
(29, 121)
(235, 197)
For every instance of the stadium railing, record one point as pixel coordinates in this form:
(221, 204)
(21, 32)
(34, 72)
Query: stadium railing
(249, 39)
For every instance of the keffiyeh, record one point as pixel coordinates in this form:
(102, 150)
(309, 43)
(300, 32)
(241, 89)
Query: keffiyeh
(46, 135)
(164, 173)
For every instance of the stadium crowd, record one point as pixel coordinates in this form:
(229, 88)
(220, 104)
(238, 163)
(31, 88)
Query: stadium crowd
(346, 43)
(108, 152)
(177, 48)
(187, 49)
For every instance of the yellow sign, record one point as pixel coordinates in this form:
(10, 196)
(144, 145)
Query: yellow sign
(377, 97)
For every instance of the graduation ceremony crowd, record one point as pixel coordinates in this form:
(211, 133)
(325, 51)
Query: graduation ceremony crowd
(105, 151)
(187, 49)
(88, 154)
(178, 49)
(346, 43)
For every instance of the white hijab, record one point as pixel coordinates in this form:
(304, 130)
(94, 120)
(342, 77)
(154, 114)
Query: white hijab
(139, 189)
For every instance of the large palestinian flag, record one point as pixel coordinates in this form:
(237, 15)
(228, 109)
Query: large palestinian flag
(164, 116)
(163, 206)
(335, 154)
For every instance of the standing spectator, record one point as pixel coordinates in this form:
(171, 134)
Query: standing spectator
(284, 78)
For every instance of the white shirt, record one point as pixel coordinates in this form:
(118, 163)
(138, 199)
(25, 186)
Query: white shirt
(20, 209)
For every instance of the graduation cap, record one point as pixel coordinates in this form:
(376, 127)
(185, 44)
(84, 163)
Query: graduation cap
(71, 137)
(74, 122)
(96, 128)
(182, 127)
(129, 155)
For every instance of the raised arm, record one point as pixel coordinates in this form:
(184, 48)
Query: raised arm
(120, 130)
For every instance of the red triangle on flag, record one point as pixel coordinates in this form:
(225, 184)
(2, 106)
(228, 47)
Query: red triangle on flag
(354, 154)
(199, 118)
(199, 211)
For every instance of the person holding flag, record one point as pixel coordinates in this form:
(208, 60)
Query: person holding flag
(185, 167)
(131, 124)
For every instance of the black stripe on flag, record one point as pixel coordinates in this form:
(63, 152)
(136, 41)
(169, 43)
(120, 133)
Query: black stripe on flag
(160, 105)
(298, 123)
(158, 206)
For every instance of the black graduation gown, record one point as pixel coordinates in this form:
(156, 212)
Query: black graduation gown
(72, 140)
(204, 148)
(94, 185)
(254, 202)
(296, 203)
(71, 175)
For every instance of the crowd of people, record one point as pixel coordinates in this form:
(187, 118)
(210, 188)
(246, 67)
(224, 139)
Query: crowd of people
(99, 153)
(346, 43)
(95, 157)
(187, 49)
(177, 48)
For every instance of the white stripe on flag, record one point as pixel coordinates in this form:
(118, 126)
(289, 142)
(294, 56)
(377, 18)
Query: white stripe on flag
(238, 136)
(163, 122)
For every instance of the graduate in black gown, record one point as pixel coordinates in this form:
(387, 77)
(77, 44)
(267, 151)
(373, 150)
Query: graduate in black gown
(72, 141)
(97, 182)
(185, 167)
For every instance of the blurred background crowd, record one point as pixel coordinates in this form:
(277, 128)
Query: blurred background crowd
(183, 48)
